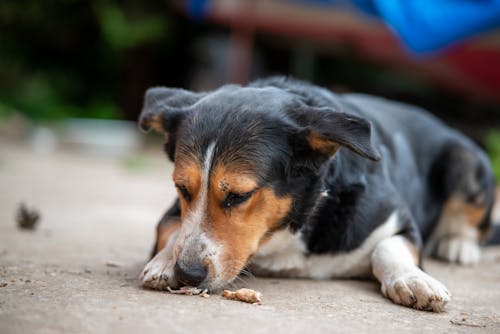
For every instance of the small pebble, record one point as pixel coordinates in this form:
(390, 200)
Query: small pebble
(112, 264)
(26, 218)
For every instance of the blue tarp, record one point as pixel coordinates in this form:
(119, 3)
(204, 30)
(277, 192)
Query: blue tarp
(423, 25)
(428, 25)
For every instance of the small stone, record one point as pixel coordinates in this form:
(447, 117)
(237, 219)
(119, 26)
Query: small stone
(26, 218)
(112, 264)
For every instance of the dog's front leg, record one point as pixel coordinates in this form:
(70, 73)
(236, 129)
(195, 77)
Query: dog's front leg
(159, 272)
(394, 264)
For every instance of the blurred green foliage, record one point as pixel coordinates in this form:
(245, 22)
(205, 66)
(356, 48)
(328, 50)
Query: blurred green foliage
(136, 164)
(492, 143)
(122, 33)
(66, 58)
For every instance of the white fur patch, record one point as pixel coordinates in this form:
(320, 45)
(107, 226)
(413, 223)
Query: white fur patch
(459, 249)
(285, 253)
(159, 272)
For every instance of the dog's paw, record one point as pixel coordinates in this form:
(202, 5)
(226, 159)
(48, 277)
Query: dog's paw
(158, 273)
(458, 249)
(418, 290)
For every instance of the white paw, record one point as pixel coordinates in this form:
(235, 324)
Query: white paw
(159, 272)
(459, 249)
(418, 290)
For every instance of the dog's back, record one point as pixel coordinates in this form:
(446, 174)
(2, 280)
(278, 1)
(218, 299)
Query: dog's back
(440, 173)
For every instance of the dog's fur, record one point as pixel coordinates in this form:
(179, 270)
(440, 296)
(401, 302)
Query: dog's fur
(289, 179)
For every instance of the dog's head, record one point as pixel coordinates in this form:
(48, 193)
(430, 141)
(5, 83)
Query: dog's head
(242, 158)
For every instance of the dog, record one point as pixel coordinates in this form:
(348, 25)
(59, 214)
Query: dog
(288, 179)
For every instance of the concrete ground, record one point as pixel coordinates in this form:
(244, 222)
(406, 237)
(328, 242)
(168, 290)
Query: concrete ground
(77, 272)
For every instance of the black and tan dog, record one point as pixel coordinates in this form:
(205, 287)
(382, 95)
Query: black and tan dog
(291, 180)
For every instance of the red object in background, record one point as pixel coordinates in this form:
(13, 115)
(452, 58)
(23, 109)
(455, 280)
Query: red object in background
(480, 65)
(471, 69)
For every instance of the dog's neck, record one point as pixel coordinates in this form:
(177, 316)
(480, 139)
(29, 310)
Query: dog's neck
(327, 197)
(311, 186)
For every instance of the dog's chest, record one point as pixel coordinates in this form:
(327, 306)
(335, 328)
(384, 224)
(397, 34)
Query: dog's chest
(285, 255)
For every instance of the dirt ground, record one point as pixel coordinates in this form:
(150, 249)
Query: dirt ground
(77, 273)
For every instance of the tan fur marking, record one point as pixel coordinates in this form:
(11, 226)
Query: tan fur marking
(319, 143)
(188, 174)
(240, 230)
(156, 123)
(474, 213)
(225, 180)
(164, 232)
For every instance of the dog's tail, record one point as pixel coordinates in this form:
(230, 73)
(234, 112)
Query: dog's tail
(494, 235)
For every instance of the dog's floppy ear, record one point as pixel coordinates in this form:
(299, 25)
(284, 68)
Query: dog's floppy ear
(163, 110)
(164, 107)
(326, 130)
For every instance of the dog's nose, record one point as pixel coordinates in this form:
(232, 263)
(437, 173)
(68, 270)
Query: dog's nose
(191, 275)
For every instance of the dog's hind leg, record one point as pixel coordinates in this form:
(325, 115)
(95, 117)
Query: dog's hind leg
(467, 189)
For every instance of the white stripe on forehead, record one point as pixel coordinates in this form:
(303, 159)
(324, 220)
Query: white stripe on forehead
(193, 245)
(207, 161)
(196, 216)
(199, 209)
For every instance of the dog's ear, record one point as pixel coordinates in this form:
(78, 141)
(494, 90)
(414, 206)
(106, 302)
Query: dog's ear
(164, 108)
(326, 130)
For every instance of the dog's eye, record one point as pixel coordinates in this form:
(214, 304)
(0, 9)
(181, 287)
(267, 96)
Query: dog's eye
(184, 192)
(233, 199)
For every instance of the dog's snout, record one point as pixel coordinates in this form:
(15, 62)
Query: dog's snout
(191, 275)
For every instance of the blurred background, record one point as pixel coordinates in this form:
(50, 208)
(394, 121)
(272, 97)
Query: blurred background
(72, 78)
(73, 72)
